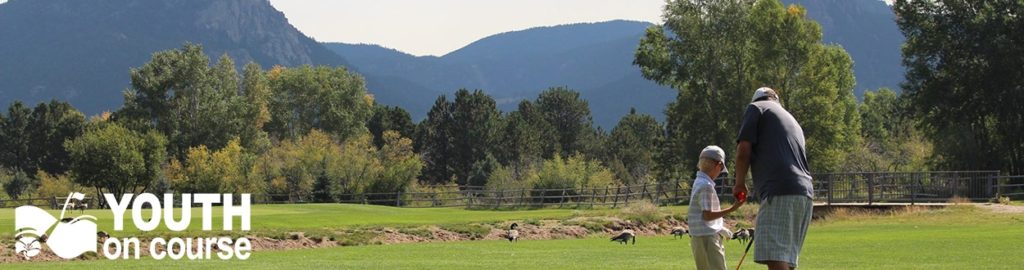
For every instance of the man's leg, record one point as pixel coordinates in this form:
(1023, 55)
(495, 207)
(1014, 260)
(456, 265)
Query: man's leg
(781, 227)
(777, 265)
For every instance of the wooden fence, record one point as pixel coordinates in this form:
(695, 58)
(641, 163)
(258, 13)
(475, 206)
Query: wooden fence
(829, 188)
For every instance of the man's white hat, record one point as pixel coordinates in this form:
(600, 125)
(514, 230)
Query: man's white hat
(763, 92)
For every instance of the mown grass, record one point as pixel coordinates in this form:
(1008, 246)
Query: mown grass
(960, 237)
(952, 238)
(280, 219)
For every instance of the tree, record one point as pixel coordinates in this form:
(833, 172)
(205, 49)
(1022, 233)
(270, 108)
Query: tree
(716, 53)
(475, 120)
(111, 158)
(399, 165)
(51, 124)
(293, 166)
(827, 109)
(332, 100)
(481, 171)
(632, 145)
(18, 185)
(54, 185)
(455, 135)
(569, 116)
(256, 89)
(14, 137)
(389, 118)
(435, 143)
(523, 137)
(180, 95)
(964, 77)
(891, 142)
(227, 170)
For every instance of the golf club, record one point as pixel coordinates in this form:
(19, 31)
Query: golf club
(745, 252)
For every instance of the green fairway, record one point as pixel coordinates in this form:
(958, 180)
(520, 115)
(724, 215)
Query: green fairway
(953, 238)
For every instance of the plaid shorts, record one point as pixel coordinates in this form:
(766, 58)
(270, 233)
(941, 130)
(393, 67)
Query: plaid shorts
(781, 228)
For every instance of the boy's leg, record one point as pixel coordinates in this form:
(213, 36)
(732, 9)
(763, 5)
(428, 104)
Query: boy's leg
(716, 252)
(708, 252)
(700, 256)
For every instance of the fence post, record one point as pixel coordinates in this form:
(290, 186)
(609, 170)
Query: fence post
(579, 198)
(501, 194)
(678, 188)
(871, 187)
(628, 193)
(398, 199)
(522, 197)
(615, 202)
(992, 187)
(830, 188)
(657, 194)
(561, 200)
(593, 195)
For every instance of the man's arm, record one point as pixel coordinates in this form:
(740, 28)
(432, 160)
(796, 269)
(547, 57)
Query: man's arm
(743, 151)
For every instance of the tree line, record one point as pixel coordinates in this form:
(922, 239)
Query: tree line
(314, 133)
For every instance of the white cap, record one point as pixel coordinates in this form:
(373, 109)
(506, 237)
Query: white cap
(716, 153)
(763, 92)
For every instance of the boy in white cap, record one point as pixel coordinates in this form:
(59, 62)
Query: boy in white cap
(705, 214)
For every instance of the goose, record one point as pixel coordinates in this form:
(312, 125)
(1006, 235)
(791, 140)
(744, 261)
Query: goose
(625, 236)
(743, 235)
(513, 233)
(678, 232)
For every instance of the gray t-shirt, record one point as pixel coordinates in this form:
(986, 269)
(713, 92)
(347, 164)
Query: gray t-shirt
(778, 163)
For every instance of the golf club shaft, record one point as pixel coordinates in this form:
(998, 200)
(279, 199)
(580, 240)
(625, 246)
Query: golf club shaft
(745, 252)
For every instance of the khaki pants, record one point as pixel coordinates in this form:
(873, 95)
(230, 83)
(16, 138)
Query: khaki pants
(708, 252)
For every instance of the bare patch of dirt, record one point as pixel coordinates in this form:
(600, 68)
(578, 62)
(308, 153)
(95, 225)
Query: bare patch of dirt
(579, 227)
(1003, 208)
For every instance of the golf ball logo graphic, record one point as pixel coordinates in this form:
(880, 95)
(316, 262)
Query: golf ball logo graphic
(27, 246)
(68, 238)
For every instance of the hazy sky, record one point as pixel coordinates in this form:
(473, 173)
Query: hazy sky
(436, 27)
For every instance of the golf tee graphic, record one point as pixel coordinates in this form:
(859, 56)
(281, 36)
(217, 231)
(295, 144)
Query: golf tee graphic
(70, 237)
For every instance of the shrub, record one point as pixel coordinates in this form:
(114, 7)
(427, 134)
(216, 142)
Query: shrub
(53, 185)
(473, 231)
(642, 212)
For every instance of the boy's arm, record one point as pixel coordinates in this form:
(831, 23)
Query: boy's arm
(712, 215)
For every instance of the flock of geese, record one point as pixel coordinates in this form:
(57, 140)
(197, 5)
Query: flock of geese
(628, 235)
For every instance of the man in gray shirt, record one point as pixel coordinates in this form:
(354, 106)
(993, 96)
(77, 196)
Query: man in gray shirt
(771, 145)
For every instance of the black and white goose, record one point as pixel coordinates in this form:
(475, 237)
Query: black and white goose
(678, 232)
(743, 235)
(513, 233)
(625, 236)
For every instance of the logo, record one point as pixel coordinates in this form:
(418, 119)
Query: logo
(70, 238)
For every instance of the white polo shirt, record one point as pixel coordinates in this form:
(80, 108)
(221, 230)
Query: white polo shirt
(703, 198)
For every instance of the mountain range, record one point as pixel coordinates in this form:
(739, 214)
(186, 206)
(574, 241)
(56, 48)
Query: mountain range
(82, 50)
